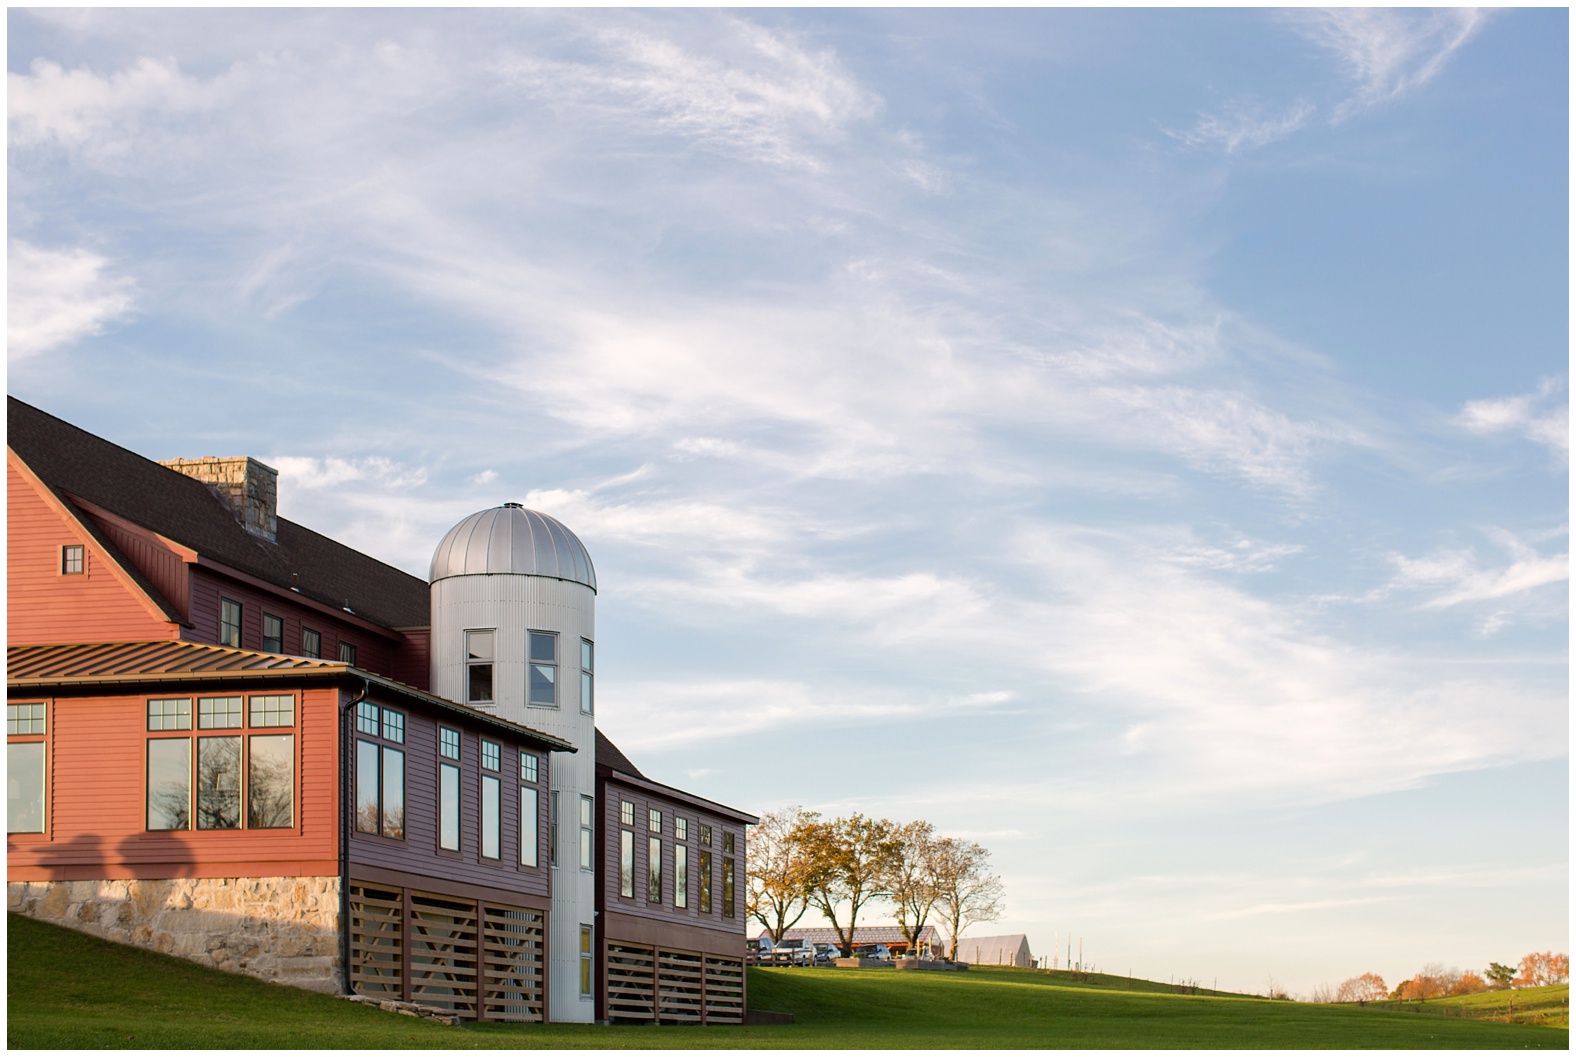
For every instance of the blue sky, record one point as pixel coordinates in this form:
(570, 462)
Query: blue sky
(1135, 440)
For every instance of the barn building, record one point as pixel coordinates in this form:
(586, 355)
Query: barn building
(232, 739)
(931, 943)
(996, 950)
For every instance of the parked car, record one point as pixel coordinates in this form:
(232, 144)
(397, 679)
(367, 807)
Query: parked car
(874, 951)
(752, 951)
(794, 952)
(825, 952)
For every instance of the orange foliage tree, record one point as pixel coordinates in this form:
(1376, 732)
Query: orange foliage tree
(1540, 970)
(1368, 987)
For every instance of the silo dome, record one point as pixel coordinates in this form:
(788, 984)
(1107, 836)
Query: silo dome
(512, 539)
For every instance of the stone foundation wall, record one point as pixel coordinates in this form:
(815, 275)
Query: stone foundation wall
(282, 929)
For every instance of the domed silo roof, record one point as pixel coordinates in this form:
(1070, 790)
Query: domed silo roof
(512, 539)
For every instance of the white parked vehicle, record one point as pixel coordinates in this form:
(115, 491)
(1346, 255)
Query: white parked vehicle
(793, 952)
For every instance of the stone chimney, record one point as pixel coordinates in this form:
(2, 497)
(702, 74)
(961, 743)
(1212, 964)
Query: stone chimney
(249, 488)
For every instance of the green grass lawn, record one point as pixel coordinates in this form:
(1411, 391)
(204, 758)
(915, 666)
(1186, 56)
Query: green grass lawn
(68, 990)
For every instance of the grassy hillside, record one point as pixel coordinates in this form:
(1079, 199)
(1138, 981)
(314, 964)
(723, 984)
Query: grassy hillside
(67, 990)
(1549, 1006)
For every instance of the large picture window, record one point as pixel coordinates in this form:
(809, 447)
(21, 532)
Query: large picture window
(544, 668)
(530, 826)
(223, 781)
(492, 817)
(25, 767)
(680, 875)
(705, 882)
(626, 864)
(380, 773)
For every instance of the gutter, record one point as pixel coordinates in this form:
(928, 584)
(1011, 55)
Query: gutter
(346, 819)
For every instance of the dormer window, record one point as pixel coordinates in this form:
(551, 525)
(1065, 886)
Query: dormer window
(479, 667)
(229, 623)
(73, 560)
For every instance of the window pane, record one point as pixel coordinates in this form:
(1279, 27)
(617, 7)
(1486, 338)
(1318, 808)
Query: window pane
(71, 561)
(681, 829)
(626, 864)
(530, 826)
(229, 623)
(367, 718)
(704, 880)
(585, 655)
(366, 787)
(273, 634)
(587, 830)
(393, 793)
(24, 781)
(169, 783)
(626, 812)
(705, 835)
(311, 643)
(681, 876)
(552, 829)
(479, 688)
(492, 817)
(393, 725)
(654, 820)
(25, 718)
(490, 756)
(544, 647)
(218, 783)
(527, 767)
(270, 781)
(727, 842)
(449, 807)
(727, 888)
(272, 710)
(542, 677)
(585, 692)
(170, 713)
(218, 713)
(347, 652)
(449, 743)
(654, 870)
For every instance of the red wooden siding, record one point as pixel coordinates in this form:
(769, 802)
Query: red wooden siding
(97, 803)
(412, 662)
(45, 606)
(164, 568)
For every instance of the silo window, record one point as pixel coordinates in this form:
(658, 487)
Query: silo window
(479, 666)
(544, 668)
(586, 677)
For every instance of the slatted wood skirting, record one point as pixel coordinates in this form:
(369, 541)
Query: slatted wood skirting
(631, 982)
(512, 983)
(724, 990)
(377, 922)
(443, 953)
(673, 986)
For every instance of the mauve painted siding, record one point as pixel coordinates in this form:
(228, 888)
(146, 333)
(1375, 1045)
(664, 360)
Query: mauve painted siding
(47, 607)
(374, 653)
(97, 803)
(418, 853)
(613, 795)
(413, 660)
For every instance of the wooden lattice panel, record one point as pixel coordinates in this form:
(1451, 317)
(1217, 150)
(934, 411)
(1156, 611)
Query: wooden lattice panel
(631, 982)
(724, 990)
(443, 953)
(680, 993)
(377, 918)
(512, 962)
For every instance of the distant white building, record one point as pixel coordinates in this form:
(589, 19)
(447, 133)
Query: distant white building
(996, 950)
(930, 943)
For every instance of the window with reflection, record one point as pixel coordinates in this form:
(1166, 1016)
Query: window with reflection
(479, 667)
(221, 781)
(449, 807)
(544, 668)
(26, 755)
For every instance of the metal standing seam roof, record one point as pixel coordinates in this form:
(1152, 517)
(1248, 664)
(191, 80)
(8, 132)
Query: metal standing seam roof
(108, 663)
(512, 539)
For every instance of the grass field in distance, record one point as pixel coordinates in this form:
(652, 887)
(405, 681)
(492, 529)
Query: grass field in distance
(69, 990)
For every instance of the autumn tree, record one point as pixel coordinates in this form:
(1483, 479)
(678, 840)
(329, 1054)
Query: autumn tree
(1369, 987)
(778, 888)
(848, 862)
(1469, 983)
(910, 882)
(967, 893)
(1541, 970)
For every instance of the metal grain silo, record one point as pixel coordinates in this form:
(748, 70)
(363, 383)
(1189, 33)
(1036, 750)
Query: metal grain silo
(513, 633)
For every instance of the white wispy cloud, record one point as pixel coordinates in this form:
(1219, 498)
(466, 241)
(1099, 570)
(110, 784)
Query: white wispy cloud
(1244, 126)
(1541, 416)
(1386, 52)
(1454, 577)
(58, 296)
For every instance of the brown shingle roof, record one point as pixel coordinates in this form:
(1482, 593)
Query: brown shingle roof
(608, 755)
(73, 462)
